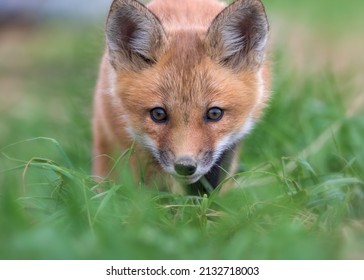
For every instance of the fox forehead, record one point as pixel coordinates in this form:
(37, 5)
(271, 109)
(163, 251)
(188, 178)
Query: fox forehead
(186, 75)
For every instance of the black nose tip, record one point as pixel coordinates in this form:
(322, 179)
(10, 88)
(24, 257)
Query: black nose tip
(185, 166)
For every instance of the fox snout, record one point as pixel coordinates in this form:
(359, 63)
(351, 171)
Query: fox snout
(188, 168)
(185, 166)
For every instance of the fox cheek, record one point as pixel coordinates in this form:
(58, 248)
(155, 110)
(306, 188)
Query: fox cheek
(165, 158)
(207, 158)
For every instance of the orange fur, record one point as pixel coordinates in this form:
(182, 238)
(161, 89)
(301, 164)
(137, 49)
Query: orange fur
(186, 75)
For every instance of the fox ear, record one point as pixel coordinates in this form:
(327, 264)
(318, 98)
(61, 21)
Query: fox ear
(134, 35)
(238, 35)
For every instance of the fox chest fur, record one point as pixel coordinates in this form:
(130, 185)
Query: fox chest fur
(184, 81)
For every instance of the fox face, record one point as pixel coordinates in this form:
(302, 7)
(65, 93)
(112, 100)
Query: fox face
(188, 115)
(187, 94)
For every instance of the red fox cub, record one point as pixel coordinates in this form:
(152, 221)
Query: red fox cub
(184, 81)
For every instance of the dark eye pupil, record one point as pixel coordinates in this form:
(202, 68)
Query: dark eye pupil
(214, 114)
(158, 115)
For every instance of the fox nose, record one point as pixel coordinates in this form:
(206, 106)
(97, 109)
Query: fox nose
(185, 166)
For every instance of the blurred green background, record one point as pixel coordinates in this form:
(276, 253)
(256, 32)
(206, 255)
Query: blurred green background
(301, 197)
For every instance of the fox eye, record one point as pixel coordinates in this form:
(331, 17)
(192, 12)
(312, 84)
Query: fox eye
(214, 114)
(158, 115)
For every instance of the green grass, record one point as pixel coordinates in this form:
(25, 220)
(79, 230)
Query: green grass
(301, 195)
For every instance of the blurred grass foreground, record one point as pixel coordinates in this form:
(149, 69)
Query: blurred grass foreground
(301, 196)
